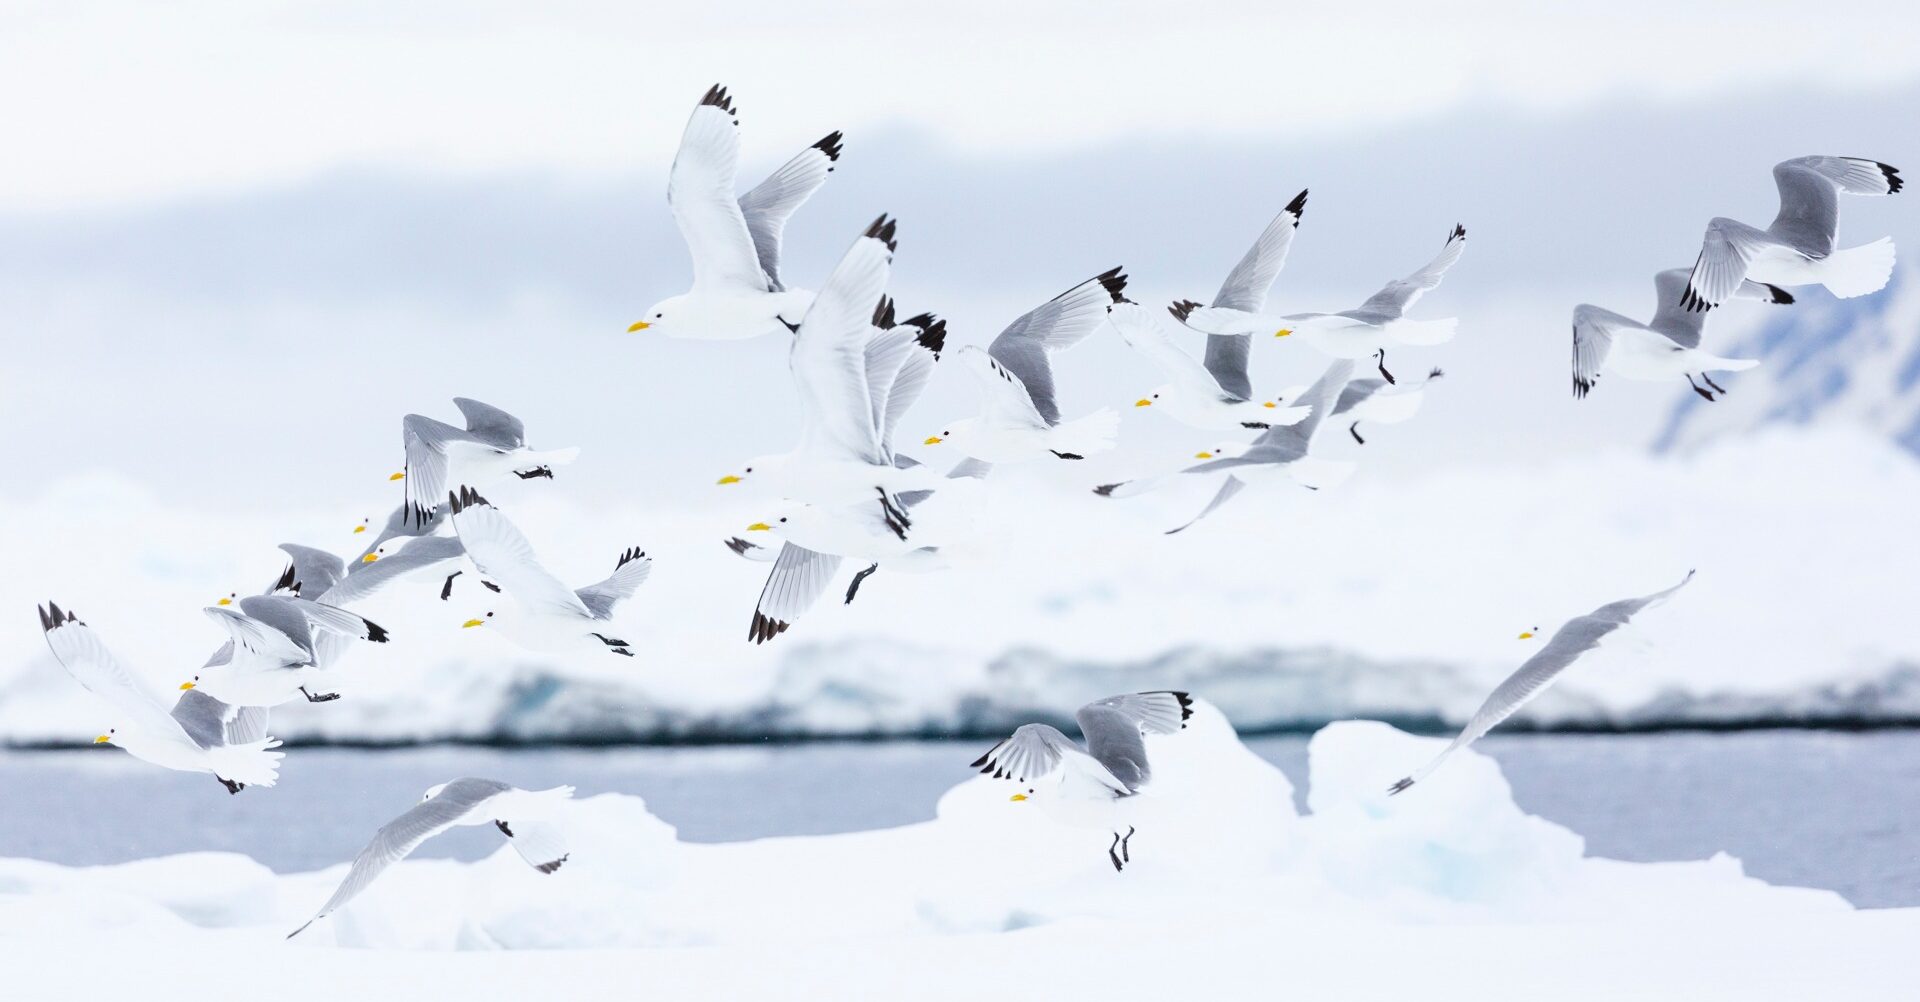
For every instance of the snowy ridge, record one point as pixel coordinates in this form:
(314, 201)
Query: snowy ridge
(1824, 360)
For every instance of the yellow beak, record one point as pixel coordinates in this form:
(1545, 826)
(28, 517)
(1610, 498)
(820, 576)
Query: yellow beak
(102, 739)
(638, 326)
(1269, 404)
(402, 475)
(1526, 635)
(1203, 455)
(184, 686)
(472, 623)
(370, 558)
(1016, 798)
(932, 440)
(759, 527)
(729, 479)
(1283, 332)
(359, 528)
(224, 601)
(1143, 402)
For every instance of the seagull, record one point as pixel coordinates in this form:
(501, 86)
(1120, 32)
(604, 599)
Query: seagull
(1580, 635)
(143, 726)
(213, 724)
(544, 615)
(1356, 333)
(1662, 348)
(842, 457)
(1798, 247)
(493, 445)
(735, 243)
(1197, 397)
(399, 559)
(276, 652)
(1375, 400)
(1091, 788)
(399, 524)
(1278, 454)
(528, 819)
(1019, 419)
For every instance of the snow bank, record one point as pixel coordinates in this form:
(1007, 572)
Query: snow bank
(1228, 888)
(1392, 600)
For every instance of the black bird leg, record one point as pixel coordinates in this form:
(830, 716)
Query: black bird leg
(1708, 396)
(1716, 386)
(232, 787)
(854, 588)
(325, 697)
(1354, 430)
(538, 471)
(791, 328)
(446, 590)
(1384, 374)
(1123, 845)
(1112, 855)
(897, 520)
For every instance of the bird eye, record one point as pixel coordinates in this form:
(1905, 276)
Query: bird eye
(749, 469)
(783, 518)
(1156, 396)
(657, 316)
(489, 615)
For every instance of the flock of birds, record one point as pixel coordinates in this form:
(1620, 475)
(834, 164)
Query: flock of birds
(844, 492)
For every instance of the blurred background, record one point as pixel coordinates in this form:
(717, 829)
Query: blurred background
(239, 241)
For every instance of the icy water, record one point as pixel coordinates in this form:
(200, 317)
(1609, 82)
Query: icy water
(1810, 808)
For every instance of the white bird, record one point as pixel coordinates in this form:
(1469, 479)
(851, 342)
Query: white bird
(737, 292)
(1578, 636)
(1019, 419)
(276, 652)
(1092, 788)
(1666, 347)
(1374, 400)
(1277, 455)
(1364, 331)
(542, 614)
(141, 723)
(439, 455)
(1797, 248)
(1197, 397)
(528, 818)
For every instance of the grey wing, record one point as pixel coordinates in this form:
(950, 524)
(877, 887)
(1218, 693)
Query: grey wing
(1356, 393)
(315, 570)
(332, 619)
(751, 550)
(1289, 442)
(798, 579)
(203, 717)
(1725, 251)
(1032, 751)
(492, 425)
(768, 205)
(1247, 284)
(399, 523)
(1226, 362)
(1593, 333)
(426, 473)
(1114, 727)
(1810, 187)
(970, 469)
(403, 834)
(248, 724)
(268, 626)
(1228, 488)
(1397, 297)
(419, 554)
(629, 573)
(1061, 322)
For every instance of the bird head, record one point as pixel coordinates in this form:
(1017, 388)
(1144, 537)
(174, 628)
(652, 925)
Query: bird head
(661, 318)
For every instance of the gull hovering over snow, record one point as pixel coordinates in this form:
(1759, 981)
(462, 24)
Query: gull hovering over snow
(439, 455)
(1019, 418)
(1578, 636)
(1278, 454)
(276, 652)
(181, 740)
(735, 243)
(1197, 397)
(528, 819)
(1091, 788)
(544, 615)
(1797, 248)
(1662, 348)
(1374, 400)
(1357, 333)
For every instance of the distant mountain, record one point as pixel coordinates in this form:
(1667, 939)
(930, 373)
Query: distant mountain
(1823, 360)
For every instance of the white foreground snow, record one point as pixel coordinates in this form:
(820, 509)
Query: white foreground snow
(1448, 891)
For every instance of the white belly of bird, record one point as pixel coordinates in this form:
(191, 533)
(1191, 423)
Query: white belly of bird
(995, 444)
(736, 317)
(1645, 356)
(1213, 414)
(549, 633)
(244, 684)
(1342, 337)
(1779, 265)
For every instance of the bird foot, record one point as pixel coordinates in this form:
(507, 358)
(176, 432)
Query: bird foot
(232, 787)
(446, 590)
(323, 697)
(1400, 786)
(1066, 455)
(1354, 430)
(1123, 845)
(538, 471)
(858, 578)
(1113, 855)
(1716, 386)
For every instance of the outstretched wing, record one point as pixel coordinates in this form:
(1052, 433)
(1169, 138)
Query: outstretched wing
(700, 189)
(1398, 297)
(1065, 320)
(81, 652)
(1141, 329)
(1593, 333)
(500, 552)
(798, 579)
(542, 844)
(1114, 727)
(492, 425)
(420, 554)
(426, 443)
(212, 723)
(1725, 251)
(1036, 751)
(768, 205)
(1810, 187)
(829, 353)
(629, 573)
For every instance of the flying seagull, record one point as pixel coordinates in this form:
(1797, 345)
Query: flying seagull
(528, 819)
(1197, 396)
(1577, 637)
(493, 444)
(1374, 400)
(276, 650)
(1662, 348)
(1798, 247)
(543, 614)
(735, 242)
(1091, 788)
(1019, 418)
(141, 723)
(1364, 331)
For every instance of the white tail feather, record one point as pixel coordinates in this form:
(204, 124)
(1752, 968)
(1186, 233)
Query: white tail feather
(1085, 436)
(251, 763)
(1857, 271)
(1319, 474)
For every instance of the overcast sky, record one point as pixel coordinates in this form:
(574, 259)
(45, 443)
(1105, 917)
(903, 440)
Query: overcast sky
(238, 241)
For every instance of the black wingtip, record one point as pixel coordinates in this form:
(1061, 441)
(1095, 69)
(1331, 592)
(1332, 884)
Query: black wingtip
(287, 581)
(375, 632)
(1780, 297)
(1894, 181)
(1400, 786)
(883, 313)
(717, 96)
(1459, 233)
(53, 617)
(1186, 704)
(933, 333)
(1183, 309)
(552, 865)
(464, 498)
(830, 144)
(982, 760)
(883, 230)
(1298, 206)
(1436, 372)
(1106, 490)
(765, 628)
(1114, 281)
(629, 555)
(740, 546)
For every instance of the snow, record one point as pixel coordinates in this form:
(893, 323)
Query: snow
(1396, 598)
(1448, 890)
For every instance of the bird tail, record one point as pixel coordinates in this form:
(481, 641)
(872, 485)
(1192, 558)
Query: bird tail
(1857, 271)
(1716, 364)
(252, 763)
(1088, 435)
(1423, 332)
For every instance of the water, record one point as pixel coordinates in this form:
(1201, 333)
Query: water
(1810, 808)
